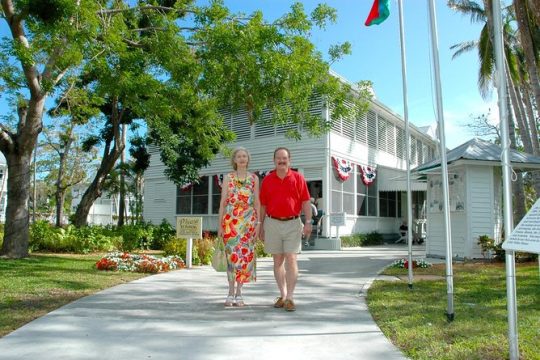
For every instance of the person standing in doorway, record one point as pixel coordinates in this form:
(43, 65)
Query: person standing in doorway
(239, 211)
(284, 195)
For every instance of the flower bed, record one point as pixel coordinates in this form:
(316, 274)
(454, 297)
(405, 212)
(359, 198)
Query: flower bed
(404, 263)
(117, 261)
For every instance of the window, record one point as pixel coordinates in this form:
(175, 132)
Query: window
(216, 196)
(389, 204)
(193, 200)
(366, 197)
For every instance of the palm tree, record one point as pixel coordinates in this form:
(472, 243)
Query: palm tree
(485, 47)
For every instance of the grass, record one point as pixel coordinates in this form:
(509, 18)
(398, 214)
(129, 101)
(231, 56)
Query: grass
(415, 319)
(36, 285)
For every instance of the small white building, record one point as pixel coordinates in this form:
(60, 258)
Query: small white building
(104, 210)
(475, 196)
(355, 171)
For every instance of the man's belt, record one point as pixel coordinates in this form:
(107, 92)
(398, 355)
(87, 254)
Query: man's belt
(288, 218)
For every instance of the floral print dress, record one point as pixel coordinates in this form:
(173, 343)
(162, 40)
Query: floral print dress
(239, 224)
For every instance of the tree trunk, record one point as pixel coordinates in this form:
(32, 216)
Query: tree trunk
(122, 200)
(16, 230)
(534, 5)
(60, 197)
(517, 186)
(528, 48)
(94, 190)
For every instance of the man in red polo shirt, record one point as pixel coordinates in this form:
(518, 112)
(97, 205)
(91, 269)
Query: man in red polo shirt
(283, 196)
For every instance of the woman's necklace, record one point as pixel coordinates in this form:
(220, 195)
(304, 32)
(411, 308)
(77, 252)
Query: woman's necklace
(239, 180)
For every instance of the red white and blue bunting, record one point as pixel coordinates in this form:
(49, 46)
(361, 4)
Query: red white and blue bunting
(186, 186)
(343, 167)
(369, 173)
(219, 179)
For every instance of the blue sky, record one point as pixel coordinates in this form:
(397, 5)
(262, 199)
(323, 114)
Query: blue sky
(377, 57)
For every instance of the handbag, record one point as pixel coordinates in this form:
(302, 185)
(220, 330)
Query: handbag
(219, 258)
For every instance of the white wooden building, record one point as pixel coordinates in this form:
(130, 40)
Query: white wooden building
(374, 143)
(475, 196)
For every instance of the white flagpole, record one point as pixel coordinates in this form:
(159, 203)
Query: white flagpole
(444, 165)
(407, 140)
(507, 184)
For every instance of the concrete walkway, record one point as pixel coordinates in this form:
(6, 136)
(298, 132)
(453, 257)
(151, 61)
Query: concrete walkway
(180, 315)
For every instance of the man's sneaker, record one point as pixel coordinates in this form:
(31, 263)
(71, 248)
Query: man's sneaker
(279, 303)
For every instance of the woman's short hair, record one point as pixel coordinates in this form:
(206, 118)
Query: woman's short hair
(240, 148)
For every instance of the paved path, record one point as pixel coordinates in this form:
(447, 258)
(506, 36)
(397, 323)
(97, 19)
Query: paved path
(180, 315)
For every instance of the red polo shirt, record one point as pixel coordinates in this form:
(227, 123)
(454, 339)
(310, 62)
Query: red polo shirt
(283, 198)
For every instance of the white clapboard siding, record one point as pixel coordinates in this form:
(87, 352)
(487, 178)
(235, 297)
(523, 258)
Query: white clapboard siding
(482, 185)
(480, 217)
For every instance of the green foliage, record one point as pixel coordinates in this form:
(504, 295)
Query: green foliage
(162, 234)
(205, 249)
(177, 246)
(46, 237)
(259, 249)
(355, 240)
(487, 245)
(136, 237)
(373, 238)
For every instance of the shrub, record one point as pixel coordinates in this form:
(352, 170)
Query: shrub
(205, 247)
(354, 240)
(259, 249)
(136, 237)
(178, 247)
(161, 234)
(373, 238)
(487, 245)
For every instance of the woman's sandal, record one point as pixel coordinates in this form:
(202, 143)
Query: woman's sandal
(239, 301)
(230, 301)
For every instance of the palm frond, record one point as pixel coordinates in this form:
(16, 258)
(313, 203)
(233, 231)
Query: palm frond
(472, 9)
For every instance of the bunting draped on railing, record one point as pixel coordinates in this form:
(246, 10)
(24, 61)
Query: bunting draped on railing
(343, 167)
(369, 173)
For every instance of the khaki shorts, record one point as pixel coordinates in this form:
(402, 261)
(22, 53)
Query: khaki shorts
(281, 237)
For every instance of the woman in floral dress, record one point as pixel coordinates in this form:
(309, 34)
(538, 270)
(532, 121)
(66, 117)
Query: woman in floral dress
(238, 213)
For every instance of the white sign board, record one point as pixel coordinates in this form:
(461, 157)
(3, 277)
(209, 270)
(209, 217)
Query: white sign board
(189, 227)
(526, 236)
(337, 219)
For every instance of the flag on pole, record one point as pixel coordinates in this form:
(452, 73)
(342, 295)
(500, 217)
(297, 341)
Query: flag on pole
(379, 12)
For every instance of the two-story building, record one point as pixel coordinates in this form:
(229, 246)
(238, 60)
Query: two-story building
(356, 171)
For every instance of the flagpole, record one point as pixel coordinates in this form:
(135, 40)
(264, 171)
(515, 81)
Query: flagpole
(407, 140)
(444, 165)
(507, 184)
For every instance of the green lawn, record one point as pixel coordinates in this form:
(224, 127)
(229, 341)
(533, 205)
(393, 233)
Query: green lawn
(41, 283)
(415, 319)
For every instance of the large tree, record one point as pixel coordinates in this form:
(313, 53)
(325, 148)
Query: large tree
(48, 38)
(516, 78)
(170, 63)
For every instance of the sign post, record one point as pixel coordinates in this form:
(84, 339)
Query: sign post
(525, 237)
(337, 220)
(189, 227)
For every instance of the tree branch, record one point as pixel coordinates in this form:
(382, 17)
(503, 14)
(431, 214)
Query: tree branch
(17, 32)
(145, 8)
